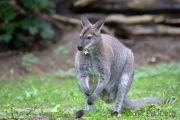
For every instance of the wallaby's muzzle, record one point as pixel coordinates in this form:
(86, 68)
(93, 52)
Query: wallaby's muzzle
(80, 48)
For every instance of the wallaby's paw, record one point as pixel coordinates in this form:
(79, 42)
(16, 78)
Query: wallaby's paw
(79, 114)
(87, 93)
(114, 113)
(91, 100)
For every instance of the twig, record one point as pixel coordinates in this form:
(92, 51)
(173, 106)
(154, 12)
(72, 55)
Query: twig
(163, 57)
(66, 19)
(140, 19)
(57, 24)
(83, 3)
(172, 21)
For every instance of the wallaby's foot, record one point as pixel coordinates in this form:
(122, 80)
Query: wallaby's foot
(91, 100)
(168, 100)
(114, 113)
(79, 114)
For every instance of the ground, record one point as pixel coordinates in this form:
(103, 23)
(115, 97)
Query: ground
(147, 50)
(50, 97)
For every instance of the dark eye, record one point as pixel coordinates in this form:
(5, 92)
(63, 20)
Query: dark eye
(89, 37)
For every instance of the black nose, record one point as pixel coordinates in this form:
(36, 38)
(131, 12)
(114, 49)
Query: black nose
(80, 48)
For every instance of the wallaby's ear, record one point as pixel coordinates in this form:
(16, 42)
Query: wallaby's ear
(98, 25)
(84, 21)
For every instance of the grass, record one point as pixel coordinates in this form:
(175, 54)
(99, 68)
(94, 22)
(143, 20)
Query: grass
(53, 97)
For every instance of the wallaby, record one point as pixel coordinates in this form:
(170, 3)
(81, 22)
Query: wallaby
(112, 62)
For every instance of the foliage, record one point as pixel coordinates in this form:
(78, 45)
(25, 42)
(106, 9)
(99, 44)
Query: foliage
(20, 20)
(51, 97)
(60, 49)
(64, 51)
(28, 61)
(63, 74)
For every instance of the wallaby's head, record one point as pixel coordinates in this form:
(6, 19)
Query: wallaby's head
(90, 34)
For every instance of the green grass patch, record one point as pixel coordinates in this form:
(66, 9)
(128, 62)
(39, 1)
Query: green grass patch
(53, 97)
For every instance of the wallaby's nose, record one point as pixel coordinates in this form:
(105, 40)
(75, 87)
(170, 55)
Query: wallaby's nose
(80, 48)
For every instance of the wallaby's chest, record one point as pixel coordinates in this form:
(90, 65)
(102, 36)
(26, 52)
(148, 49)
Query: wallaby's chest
(94, 64)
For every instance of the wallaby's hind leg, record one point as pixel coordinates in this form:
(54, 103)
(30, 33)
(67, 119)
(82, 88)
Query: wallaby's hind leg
(84, 86)
(122, 91)
(124, 84)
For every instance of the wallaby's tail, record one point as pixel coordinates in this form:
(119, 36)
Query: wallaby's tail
(134, 104)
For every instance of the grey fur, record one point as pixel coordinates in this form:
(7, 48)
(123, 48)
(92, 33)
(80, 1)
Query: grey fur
(114, 65)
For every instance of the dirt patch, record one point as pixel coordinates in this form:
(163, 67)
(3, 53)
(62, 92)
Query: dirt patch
(155, 49)
(147, 50)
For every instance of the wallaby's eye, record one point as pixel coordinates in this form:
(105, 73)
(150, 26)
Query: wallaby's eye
(89, 37)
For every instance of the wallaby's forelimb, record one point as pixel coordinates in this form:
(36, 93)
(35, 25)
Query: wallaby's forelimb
(84, 84)
(102, 82)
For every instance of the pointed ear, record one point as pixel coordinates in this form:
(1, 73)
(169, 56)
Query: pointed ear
(98, 25)
(84, 21)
